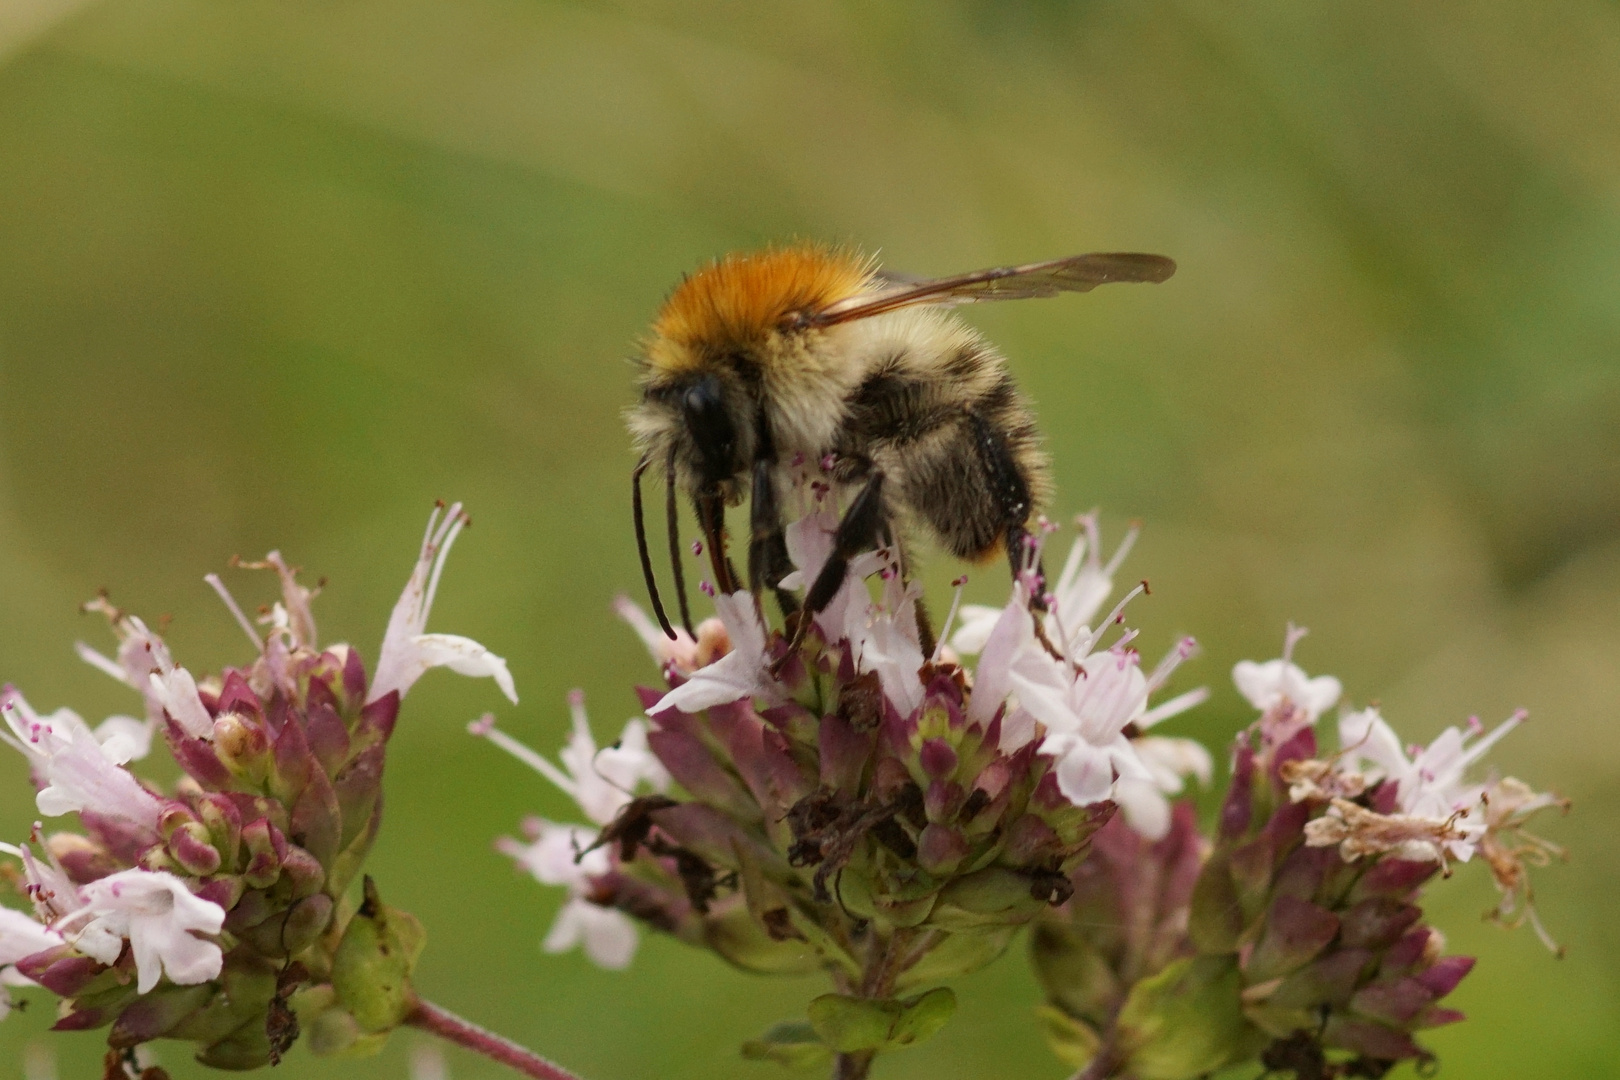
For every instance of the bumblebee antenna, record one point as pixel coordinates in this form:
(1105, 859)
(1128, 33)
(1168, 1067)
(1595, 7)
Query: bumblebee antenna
(672, 514)
(641, 547)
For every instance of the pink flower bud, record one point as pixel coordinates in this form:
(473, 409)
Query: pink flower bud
(192, 850)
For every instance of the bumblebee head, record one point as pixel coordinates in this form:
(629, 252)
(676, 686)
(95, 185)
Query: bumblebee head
(712, 351)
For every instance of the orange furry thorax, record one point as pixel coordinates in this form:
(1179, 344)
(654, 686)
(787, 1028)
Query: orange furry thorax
(742, 299)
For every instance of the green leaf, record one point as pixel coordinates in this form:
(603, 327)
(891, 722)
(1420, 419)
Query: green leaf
(793, 1043)
(741, 939)
(1073, 1041)
(958, 954)
(371, 970)
(851, 1024)
(921, 1017)
(848, 1024)
(1187, 1021)
(1216, 922)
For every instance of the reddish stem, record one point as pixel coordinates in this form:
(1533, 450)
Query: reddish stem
(452, 1028)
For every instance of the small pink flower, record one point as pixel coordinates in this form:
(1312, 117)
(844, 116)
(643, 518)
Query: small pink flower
(607, 934)
(744, 672)
(1288, 699)
(158, 916)
(74, 769)
(407, 651)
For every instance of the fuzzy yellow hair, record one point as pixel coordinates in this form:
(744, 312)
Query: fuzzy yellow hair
(742, 299)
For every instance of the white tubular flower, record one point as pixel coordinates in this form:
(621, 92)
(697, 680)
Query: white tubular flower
(608, 935)
(744, 672)
(52, 892)
(683, 654)
(1082, 588)
(158, 916)
(1288, 699)
(74, 769)
(140, 654)
(601, 782)
(22, 936)
(175, 692)
(1277, 685)
(558, 854)
(407, 651)
(809, 544)
(604, 782)
(124, 739)
(1146, 803)
(144, 664)
(1085, 714)
(886, 641)
(974, 625)
(1010, 653)
(1432, 785)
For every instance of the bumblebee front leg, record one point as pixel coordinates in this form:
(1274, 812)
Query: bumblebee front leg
(768, 561)
(862, 525)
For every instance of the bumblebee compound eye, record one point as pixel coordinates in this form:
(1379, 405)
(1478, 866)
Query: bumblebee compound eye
(713, 433)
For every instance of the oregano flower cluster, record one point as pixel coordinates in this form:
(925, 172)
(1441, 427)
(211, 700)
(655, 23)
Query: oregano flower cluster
(855, 797)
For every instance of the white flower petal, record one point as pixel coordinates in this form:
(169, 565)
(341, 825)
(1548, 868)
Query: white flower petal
(21, 935)
(1085, 773)
(124, 738)
(566, 929)
(1146, 809)
(610, 938)
(1171, 759)
(744, 672)
(176, 692)
(554, 858)
(608, 935)
(682, 651)
(1365, 736)
(1271, 685)
(82, 777)
(975, 622)
(158, 915)
(462, 655)
(1012, 636)
(407, 650)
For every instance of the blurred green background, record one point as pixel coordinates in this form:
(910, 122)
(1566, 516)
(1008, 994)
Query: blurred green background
(278, 274)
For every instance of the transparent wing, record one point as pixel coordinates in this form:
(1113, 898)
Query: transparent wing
(1077, 273)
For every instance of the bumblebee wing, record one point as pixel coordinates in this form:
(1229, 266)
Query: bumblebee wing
(1077, 273)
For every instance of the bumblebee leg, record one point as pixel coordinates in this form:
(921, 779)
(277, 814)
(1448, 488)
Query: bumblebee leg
(862, 525)
(768, 561)
(859, 529)
(925, 630)
(925, 625)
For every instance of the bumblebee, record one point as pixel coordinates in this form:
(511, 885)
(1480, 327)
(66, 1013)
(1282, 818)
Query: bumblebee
(760, 362)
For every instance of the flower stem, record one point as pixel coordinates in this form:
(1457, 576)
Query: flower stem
(853, 1066)
(1102, 1064)
(452, 1028)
